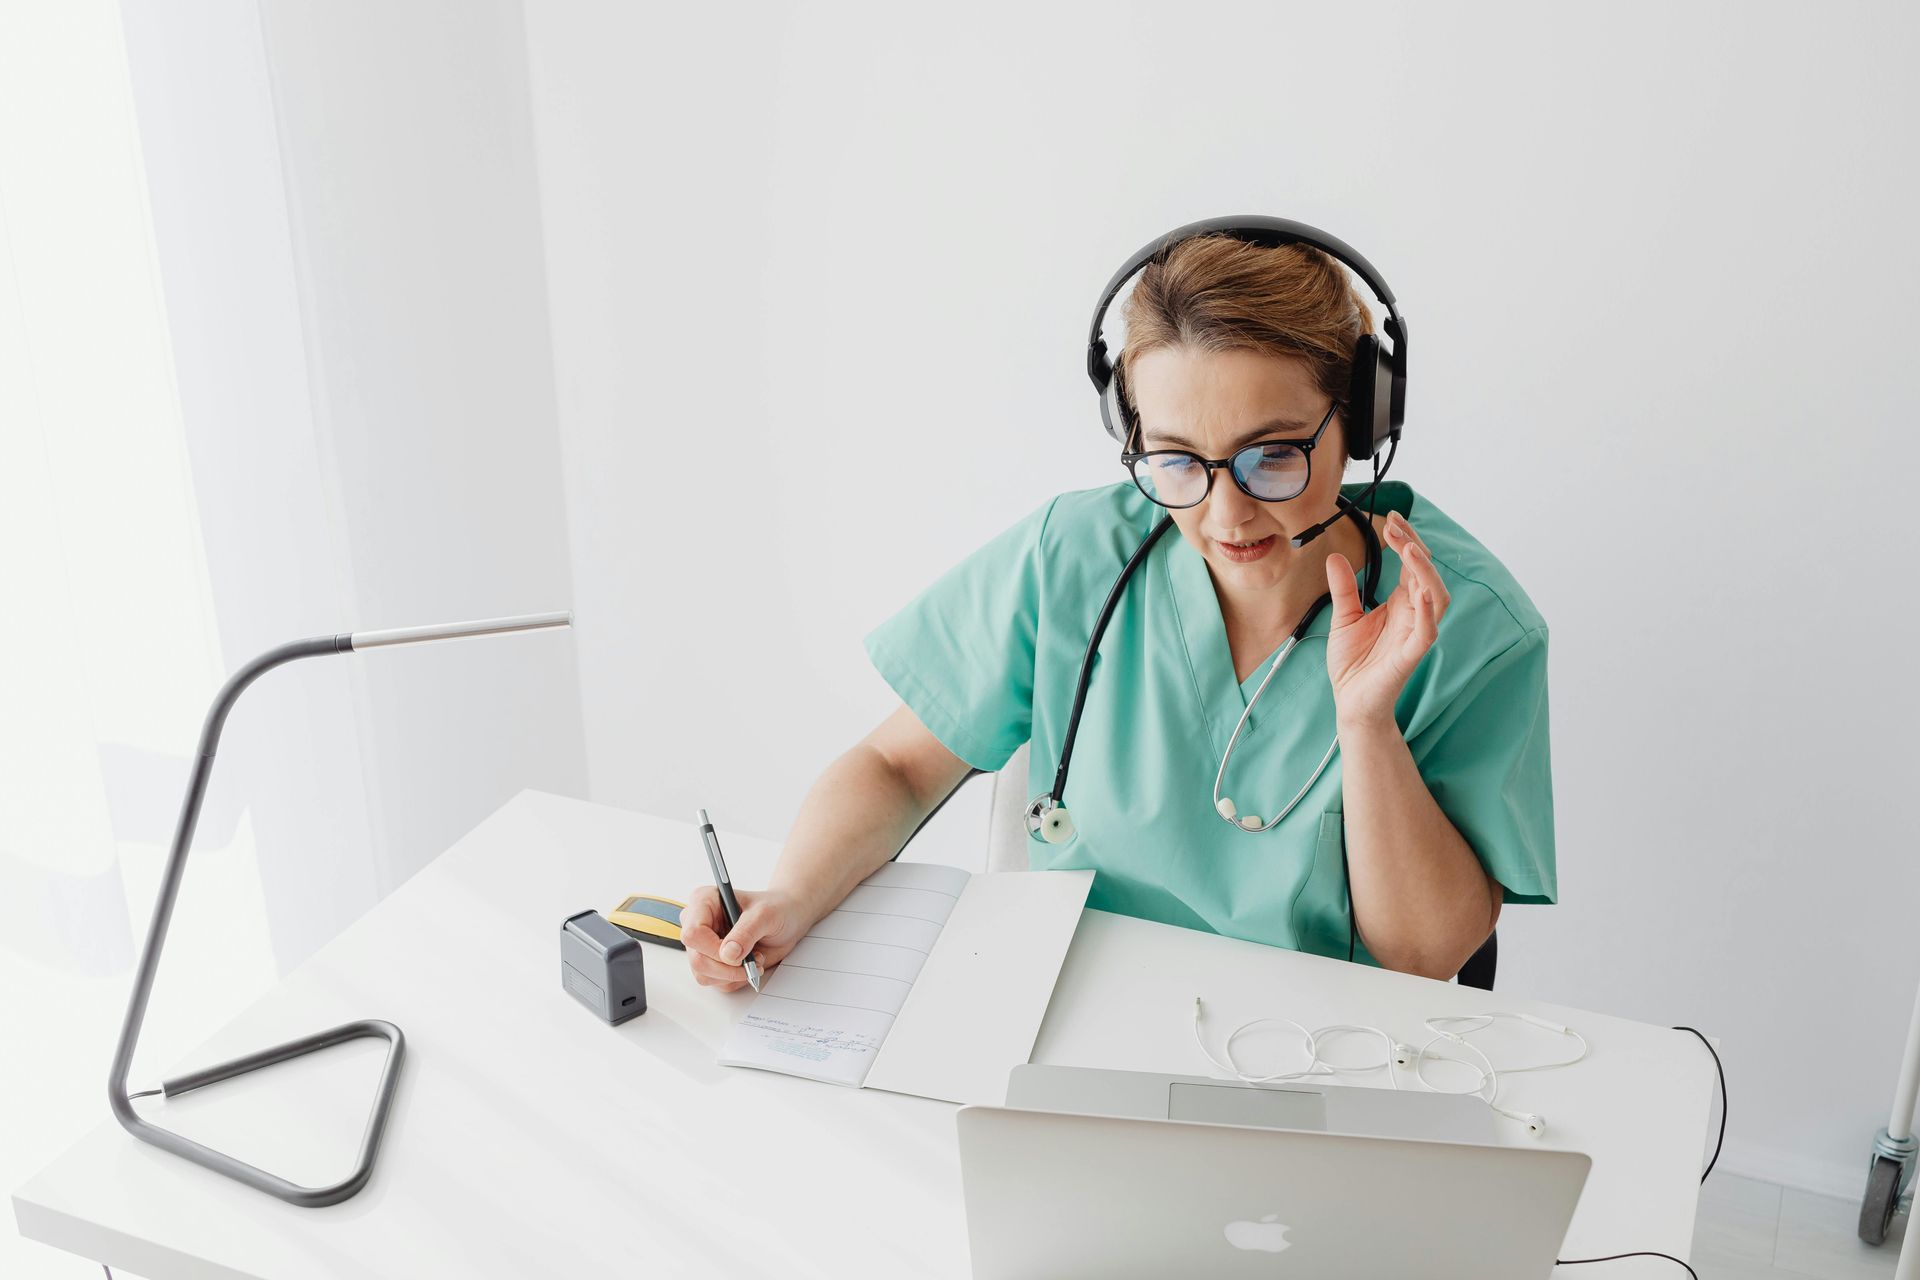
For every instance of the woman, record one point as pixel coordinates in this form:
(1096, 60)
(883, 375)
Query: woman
(1398, 847)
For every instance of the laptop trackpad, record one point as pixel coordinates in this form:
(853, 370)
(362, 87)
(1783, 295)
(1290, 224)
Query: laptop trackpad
(1260, 1108)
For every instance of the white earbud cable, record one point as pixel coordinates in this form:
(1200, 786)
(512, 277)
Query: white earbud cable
(1447, 1027)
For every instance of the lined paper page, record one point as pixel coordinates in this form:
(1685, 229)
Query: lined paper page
(826, 1008)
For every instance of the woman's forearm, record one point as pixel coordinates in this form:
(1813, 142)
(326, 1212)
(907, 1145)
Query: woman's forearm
(1421, 900)
(856, 816)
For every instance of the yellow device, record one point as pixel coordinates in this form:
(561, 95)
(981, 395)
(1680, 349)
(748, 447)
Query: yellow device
(650, 919)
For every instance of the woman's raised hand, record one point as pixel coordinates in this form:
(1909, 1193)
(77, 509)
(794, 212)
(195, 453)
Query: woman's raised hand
(770, 923)
(1371, 655)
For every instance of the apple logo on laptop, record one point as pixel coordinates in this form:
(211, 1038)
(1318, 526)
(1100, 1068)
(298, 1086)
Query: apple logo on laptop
(1269, 1235)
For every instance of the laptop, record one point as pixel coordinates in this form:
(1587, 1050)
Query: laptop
(1052, 1194)
(1356, 1109)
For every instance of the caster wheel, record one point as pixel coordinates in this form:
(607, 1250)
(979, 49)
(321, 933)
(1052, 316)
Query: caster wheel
(1883, 1197)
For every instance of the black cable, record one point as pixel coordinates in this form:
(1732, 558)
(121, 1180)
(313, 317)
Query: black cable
(1347, 880)
(1059, 792)
(1723, 1102)
(1647, 1253)
(1379, 474)
(1373, 577)
(1639, 1253)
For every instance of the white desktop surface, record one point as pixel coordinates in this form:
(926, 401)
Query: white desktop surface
(528, 1138)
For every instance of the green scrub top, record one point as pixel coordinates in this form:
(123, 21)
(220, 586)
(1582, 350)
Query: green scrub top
(987, 657)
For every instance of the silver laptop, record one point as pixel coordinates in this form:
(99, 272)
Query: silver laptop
(1356, 1109)
(1062, 1195)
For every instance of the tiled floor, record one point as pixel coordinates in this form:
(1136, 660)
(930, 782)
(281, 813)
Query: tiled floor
(1748, 1230)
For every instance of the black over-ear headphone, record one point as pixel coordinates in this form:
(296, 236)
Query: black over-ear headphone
(1378, 393)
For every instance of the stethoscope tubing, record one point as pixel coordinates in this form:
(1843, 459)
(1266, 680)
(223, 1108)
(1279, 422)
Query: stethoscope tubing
(1221, 774)
(1093, 648)
(1055, 799)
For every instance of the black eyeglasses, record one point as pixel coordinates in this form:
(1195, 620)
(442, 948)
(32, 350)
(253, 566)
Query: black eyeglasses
(1269, 470)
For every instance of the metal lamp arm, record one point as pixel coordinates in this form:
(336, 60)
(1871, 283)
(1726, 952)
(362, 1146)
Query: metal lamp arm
(117, 1096)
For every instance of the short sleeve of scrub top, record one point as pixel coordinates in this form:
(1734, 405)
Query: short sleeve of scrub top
(989, 654)
(961, 655)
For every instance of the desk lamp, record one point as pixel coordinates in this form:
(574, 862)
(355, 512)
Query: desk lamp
(117, 1095)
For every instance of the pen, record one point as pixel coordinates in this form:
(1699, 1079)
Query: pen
(725, 885)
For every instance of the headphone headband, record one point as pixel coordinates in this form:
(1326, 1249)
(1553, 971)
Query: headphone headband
(1271, 233)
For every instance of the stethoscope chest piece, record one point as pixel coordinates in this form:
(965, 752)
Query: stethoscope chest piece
(1049, 820)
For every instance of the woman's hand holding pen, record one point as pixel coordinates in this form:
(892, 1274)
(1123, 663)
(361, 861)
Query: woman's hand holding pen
(770, 923)
(856, 816)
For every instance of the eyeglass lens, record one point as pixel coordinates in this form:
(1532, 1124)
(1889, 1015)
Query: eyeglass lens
(1269, 472)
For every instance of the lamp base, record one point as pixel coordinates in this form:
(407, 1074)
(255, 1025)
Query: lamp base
(240, 1170)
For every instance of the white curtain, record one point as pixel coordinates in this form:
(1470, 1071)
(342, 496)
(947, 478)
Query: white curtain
(108, 647)
(269, 368)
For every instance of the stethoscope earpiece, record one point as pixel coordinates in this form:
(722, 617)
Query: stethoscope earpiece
(1246, 821)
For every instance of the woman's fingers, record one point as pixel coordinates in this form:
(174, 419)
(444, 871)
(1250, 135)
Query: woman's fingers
(1426, 624)
(1400, 535)
(1415, 557)
(703, 908)
(703, 959)
(1346, 596)
(702, 941)
(1427, 595)
(1400, 531)
(1429, 579)
(758, 920)
(709, 972)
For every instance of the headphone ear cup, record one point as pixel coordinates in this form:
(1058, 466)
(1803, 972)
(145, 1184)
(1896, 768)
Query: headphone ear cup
(1116, 415)
(1373, 396)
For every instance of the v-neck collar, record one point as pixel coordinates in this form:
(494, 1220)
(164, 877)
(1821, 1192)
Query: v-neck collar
(1203, 630)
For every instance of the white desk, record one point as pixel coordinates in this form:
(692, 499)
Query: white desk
(528, 1138)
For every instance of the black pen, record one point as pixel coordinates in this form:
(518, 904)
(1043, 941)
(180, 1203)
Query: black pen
(725, 885)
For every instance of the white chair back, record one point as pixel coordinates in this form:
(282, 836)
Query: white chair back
(1007, 822)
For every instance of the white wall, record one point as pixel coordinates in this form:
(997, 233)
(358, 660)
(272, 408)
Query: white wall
(410, 180)
(1657, 264)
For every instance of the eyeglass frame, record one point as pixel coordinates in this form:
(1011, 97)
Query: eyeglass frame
(1212, 465)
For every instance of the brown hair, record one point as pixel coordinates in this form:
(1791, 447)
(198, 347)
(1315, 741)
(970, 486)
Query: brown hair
(1217, 293)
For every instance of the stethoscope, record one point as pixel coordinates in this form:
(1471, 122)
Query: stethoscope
(1047, 816)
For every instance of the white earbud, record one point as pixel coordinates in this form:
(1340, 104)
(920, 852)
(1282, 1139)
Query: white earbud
(1250, 821)
(1403, 1055)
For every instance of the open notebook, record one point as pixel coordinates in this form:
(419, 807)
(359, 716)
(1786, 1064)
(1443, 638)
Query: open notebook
(925, 980)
